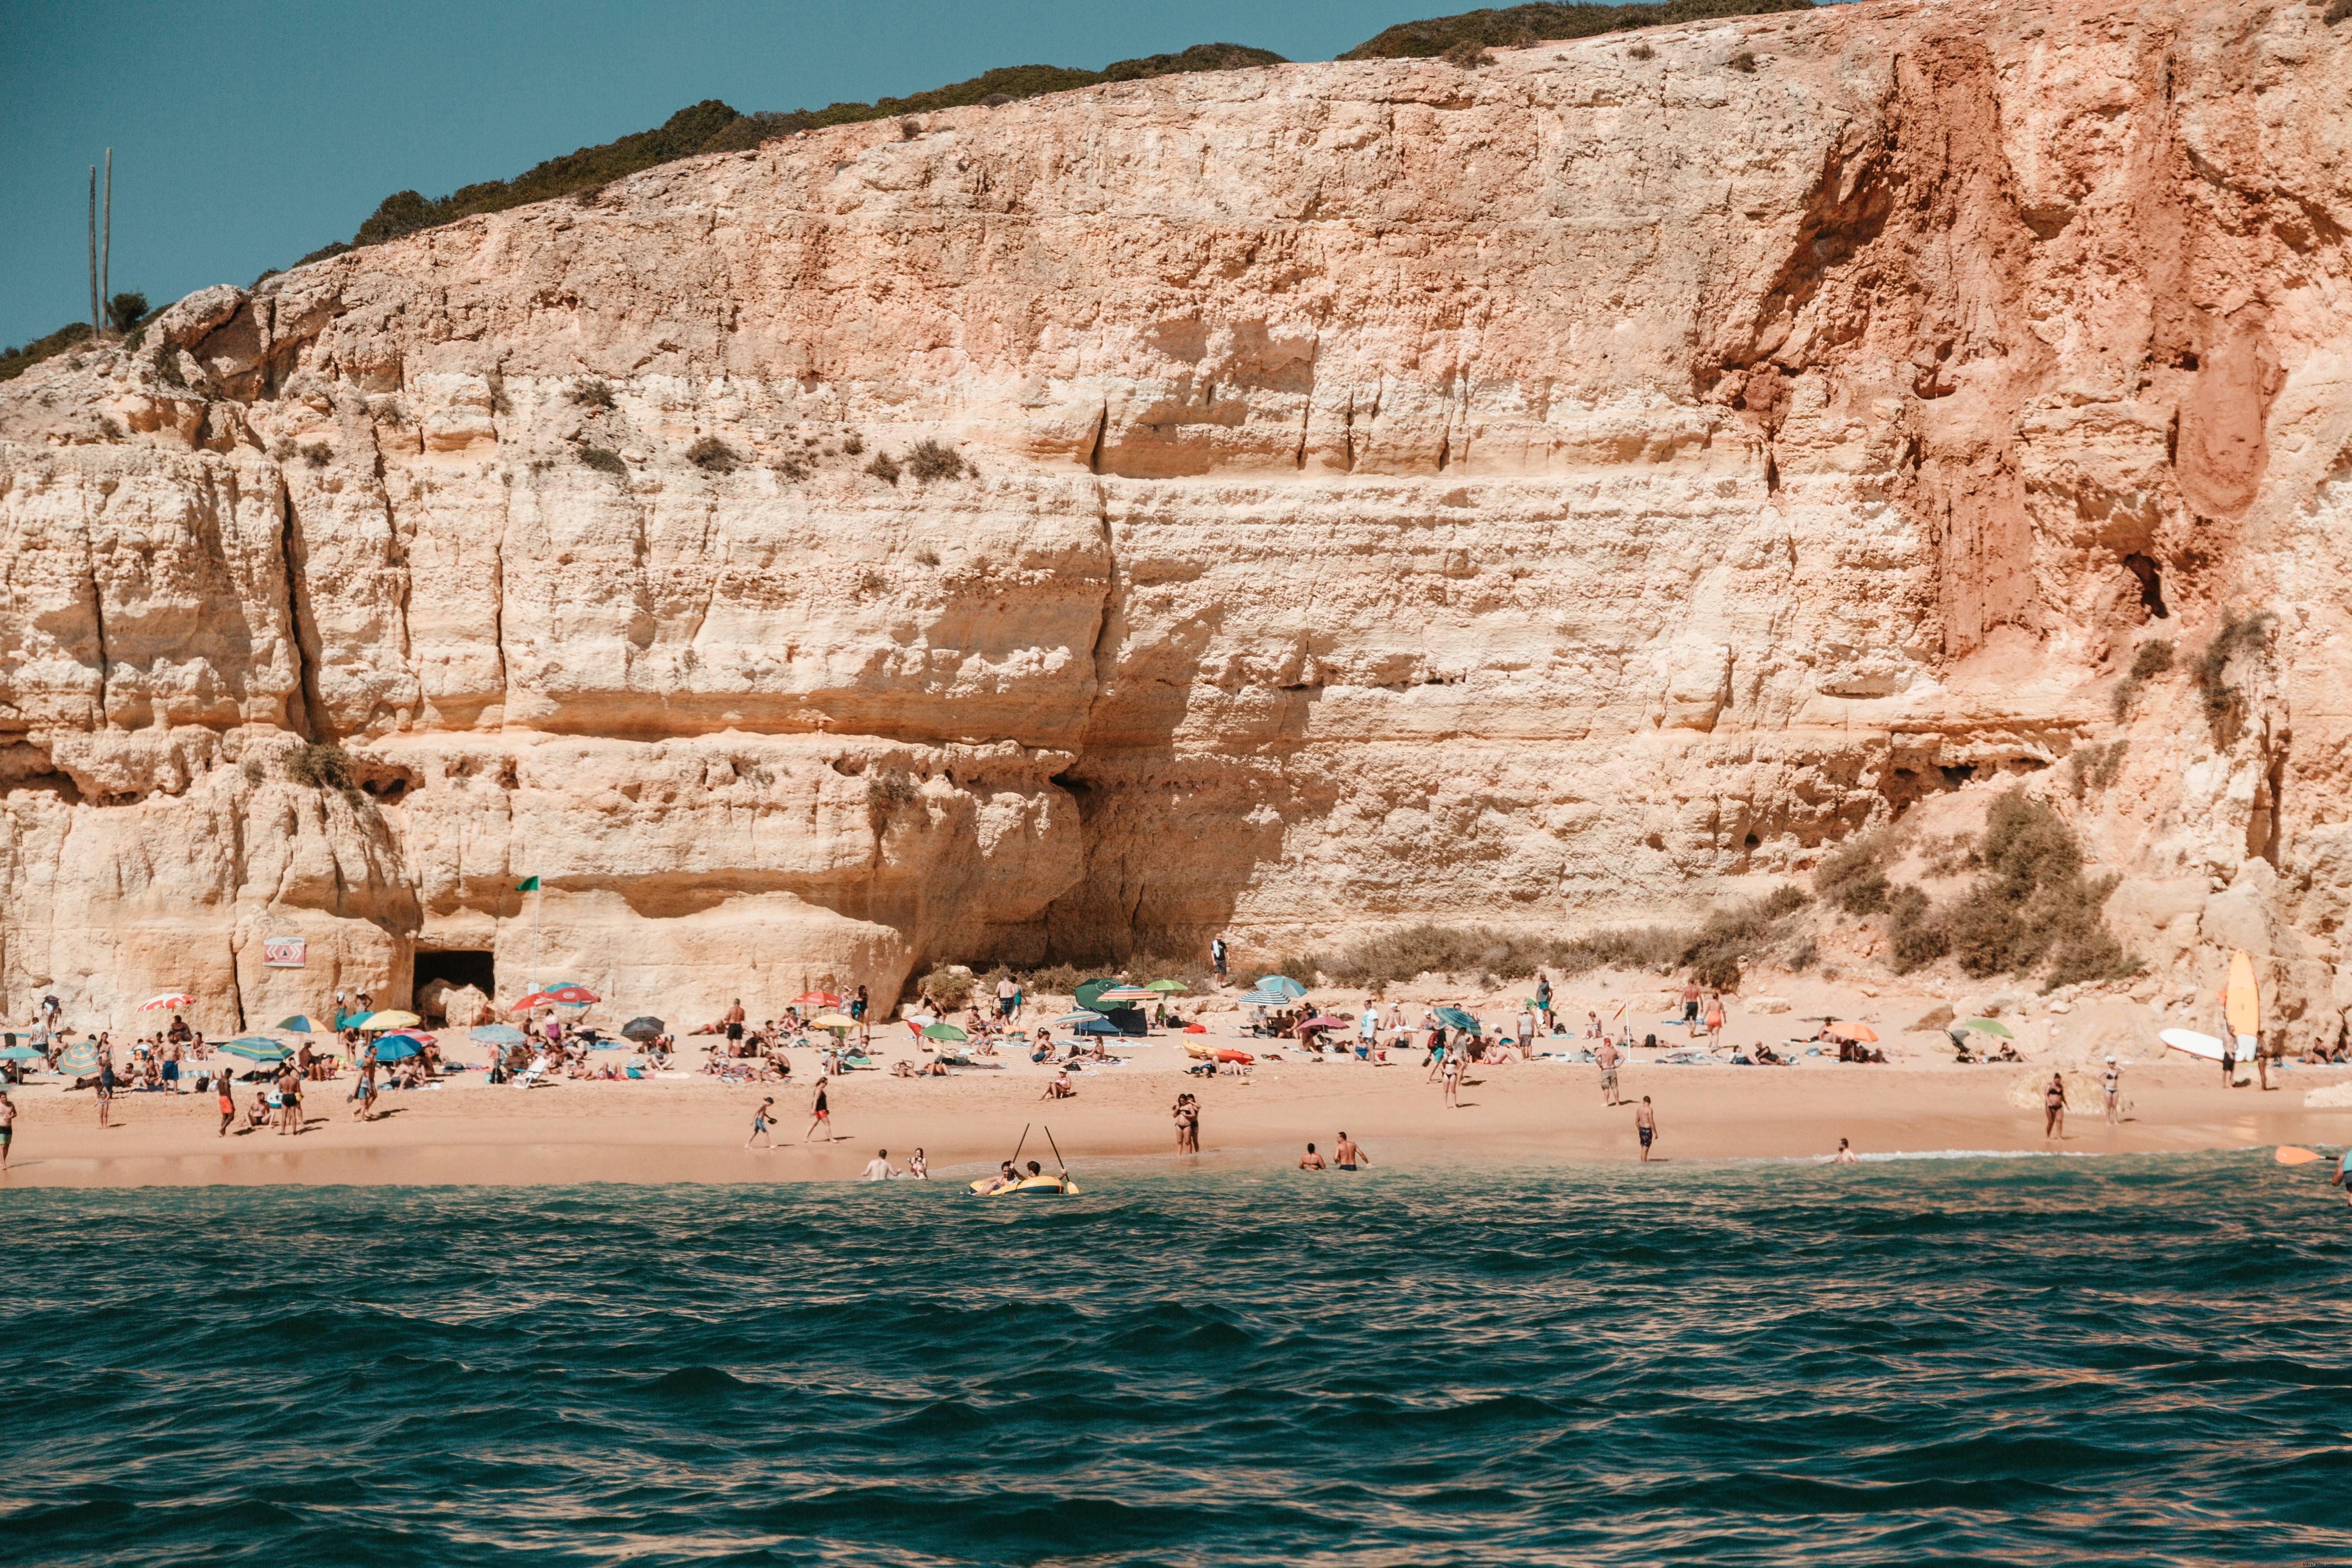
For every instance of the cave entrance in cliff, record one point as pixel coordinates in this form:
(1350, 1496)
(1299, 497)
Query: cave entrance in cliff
(459, 966)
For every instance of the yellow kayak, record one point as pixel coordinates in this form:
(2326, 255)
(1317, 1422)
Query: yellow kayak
(1034, 1186)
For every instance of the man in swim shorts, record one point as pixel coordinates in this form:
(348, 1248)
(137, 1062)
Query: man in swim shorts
(1606, 1053)
(1646, 1127)
(734, 1022)
(8, 1126)
(227, 1097)
(759, 1123)
(1347, 1154)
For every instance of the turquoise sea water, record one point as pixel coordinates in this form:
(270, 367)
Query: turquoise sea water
(1939, 1362)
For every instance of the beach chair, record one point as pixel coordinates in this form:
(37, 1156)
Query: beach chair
(531, 1074)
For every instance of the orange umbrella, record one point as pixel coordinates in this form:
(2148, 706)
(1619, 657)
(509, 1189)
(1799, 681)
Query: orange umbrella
(1852, 1032)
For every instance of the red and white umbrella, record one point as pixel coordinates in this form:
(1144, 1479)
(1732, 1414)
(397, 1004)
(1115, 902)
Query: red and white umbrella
(816, 999)
(561, 996)
(171, 1001)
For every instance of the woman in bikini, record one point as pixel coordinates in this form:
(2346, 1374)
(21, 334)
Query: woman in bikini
(821, 1112)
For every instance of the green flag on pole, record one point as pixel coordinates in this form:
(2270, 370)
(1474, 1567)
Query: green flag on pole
(527, 885)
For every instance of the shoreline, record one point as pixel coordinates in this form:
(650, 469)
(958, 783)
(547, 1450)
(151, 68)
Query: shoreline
(690, 1128)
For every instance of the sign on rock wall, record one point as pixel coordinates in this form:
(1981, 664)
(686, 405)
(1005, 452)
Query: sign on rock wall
(282, 951)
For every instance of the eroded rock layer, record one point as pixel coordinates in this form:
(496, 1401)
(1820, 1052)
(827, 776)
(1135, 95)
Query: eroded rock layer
(1574, 491)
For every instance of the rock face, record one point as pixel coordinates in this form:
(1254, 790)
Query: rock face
(1578, 490)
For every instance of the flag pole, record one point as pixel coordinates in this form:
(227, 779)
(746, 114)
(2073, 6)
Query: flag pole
(106, 238)
(93, 254)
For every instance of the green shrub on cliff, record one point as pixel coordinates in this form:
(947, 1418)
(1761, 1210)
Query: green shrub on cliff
(1517, 26)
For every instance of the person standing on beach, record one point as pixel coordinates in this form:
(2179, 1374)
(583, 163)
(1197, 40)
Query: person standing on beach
(1217, 957)
(1450, 1069)
(7, 1126)
(734, 1022)
(1005, 992)
(1646, 1127)
(759, 1123)
(2113, 1082)
(1347, 1154)
(226, 1090)
(1543, 998)
(2054, 1108)
(1690, 1005)
(1606, 1053)
(820, 1114)
(1188, 1124)
(105, 1088)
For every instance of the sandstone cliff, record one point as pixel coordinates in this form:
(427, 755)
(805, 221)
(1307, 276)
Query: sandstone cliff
(1562, 492)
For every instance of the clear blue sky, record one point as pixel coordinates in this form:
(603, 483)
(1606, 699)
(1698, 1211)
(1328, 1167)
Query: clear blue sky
(247, 132)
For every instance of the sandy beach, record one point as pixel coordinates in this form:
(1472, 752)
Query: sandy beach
(691, 1127)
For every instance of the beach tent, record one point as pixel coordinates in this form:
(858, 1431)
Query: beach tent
(1283, 984)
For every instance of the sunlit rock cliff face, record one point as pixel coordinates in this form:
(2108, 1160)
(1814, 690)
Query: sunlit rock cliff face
(1578, 489)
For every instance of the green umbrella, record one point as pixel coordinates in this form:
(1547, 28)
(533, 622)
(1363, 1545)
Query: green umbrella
(944, 1032)
(1986, 1026)
(254, 1048)
(1087, 995)
(1167, 986)
(299, 1023)
(23, 1053)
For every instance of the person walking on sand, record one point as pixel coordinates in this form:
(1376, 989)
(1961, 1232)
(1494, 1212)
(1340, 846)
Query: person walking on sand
(1606, 1053)
(1714, 1019)
(2112, 1082)
(1347, 1154)
(1217, 957)
(2054, 1108)
(1451, 1070)
(1646, 1127)
(760, 1123)
(1690, 1005)
(227, 1094)
(820, 1114)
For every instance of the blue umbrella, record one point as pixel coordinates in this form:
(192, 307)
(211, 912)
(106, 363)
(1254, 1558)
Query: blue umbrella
(1265, 998)
(23, 1053)
(496, 1034)
(1455, 1018)
(299, 1023)
(1288, 988)
(397, 1047)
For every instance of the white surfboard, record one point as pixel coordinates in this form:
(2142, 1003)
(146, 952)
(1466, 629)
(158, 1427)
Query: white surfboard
(2206, 1046)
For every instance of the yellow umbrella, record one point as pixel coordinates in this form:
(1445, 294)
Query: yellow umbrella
(390, 1021)
(833, 1021)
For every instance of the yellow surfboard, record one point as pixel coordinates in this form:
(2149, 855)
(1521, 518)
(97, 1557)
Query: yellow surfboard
(2241, 1000)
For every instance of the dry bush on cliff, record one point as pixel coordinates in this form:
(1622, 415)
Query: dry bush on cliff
(2032, 902)
(884, 467)
(2225, 707)
(711, 455)
(604, 460)
(1853, 876)
(2153, 658)
(322, 766)
(593, 394)
(928, 460)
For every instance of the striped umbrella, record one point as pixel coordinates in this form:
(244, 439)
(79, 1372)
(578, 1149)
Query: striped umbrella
(169, 1000)
(1126, 993)
(1283, 984)
(1083, 1015)
(79, 1058)
(254, 1048)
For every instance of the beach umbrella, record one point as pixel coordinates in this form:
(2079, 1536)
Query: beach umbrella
(1126, 993)
(22, 1054)
(397, 1047)
(496, 1034)
(1986, 1026)
(390, 1019)
(254, 1048)
(918, 1022)
(1168, 986)
(1263, 998)
(833, 1021)
(642, 1030)
(80, 1058)
(1282, 983)
(169, 1000)
(1091, 992)
(816, 999)
(299, 1023)
(564, 995)
(943, 1032)
(1853, 1032)
(1083, 1015)
(1455, 1018)
(1325, 1021)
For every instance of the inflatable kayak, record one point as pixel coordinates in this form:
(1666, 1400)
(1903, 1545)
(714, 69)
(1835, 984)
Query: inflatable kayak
(1034, 1186)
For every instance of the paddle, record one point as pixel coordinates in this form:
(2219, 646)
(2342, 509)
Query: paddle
(1065, 1164)
(2289, 1155)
